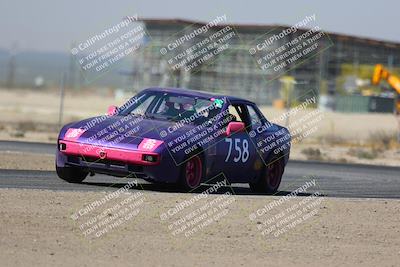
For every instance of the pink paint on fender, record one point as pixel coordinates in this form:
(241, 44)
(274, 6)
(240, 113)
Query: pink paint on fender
(234, 127)
(112, 110)
(148, 144)
(73, 134)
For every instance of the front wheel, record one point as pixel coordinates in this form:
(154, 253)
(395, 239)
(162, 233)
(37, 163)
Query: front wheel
(270, 177)
(71, 174)
(191, 173)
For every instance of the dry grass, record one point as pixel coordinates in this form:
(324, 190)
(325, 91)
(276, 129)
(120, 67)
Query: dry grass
(331, 139)
(382, 140)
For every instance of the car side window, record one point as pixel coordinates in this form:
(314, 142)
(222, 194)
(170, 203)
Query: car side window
(254, 117)
(235, 114)
(240, 113)
(233, 111)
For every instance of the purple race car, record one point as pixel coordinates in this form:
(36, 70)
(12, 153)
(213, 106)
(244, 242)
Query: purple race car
(181, 136)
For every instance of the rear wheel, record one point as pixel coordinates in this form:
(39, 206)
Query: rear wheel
(270, 177)
(191, 173)
(71, 174)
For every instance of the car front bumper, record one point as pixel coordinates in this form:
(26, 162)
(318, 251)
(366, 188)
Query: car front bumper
(117, 161)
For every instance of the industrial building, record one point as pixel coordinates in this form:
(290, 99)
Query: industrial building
(342, 65)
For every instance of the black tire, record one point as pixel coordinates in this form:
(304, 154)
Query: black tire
(71, 174)
(270, 177)
(191, 174)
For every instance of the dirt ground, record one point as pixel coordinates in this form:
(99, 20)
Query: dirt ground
(26, 161)
(36, 229)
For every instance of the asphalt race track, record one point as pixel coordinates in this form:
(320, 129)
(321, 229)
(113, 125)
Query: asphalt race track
(333, 180)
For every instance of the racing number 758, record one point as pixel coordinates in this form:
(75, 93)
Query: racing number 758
(241, 146)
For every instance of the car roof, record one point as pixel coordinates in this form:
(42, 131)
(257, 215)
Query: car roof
(194, 93)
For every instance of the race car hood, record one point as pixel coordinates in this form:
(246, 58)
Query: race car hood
(118, 131)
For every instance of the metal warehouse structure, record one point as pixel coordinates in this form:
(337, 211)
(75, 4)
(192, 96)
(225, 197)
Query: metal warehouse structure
(236, 72)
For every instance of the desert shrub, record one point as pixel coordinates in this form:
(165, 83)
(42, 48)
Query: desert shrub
(362, 153)
(25, 126)
(17, 134)
(312, 153)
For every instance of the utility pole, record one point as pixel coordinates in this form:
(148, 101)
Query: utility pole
(62, 93)
(12, 66)
(390, 62)
(71, 72)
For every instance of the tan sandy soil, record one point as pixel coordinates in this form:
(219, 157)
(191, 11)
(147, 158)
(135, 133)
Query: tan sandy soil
(26, 161)
(30, 136)
(43, 106)
(36, 230)
(340, 154)
(348, 126)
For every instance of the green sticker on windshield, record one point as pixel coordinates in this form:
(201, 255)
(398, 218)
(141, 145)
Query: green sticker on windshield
(218, 103)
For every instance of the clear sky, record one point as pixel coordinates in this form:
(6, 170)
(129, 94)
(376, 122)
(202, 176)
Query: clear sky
(51, 25)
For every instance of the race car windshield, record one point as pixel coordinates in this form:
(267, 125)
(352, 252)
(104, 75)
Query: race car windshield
(168, 106)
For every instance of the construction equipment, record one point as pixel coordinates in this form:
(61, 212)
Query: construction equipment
(381, 73)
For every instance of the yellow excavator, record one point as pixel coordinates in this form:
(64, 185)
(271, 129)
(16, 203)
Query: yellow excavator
(381, 73)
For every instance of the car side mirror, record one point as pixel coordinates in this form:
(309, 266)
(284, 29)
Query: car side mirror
(234, 127)
(112, 110)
